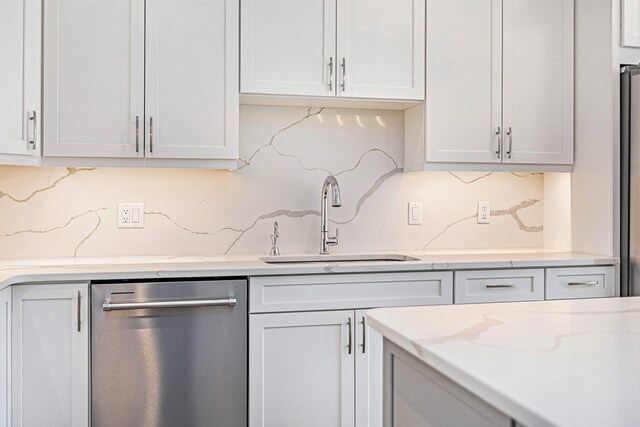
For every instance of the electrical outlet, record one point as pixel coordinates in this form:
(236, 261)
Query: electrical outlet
(130, 215)
(484, 212)
(415, 213)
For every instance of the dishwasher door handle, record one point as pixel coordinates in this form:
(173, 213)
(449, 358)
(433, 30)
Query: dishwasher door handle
(109, 306)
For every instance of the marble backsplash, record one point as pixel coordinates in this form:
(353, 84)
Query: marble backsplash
(286, 154)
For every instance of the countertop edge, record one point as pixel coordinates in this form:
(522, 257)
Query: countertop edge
(514, 409)
(13, 272)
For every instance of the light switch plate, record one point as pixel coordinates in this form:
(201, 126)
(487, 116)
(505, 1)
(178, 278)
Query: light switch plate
(130, 215)
(484, 212)
(415, 213)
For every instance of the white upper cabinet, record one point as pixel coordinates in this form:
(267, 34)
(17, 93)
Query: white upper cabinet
(464, 80)
(93, 78)
(191, 79)
(20, 76)
(333, 48)
(381, 49)
(146, 79)
(499, 87)
(288, 47)
(631, 23)
(538, 81)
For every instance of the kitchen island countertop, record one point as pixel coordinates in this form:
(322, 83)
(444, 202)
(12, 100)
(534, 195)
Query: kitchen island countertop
(548, 363)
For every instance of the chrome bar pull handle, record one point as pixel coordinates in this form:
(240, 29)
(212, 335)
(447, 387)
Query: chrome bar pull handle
(349, 346)
(331, 74)
(137, 134)
(151, 134)
(109, 306)
(364, 336)
(590, 283)
(344, 74)
(79, 313)
(510, 135)
(34, 135)
(499, 135)
(500, 286)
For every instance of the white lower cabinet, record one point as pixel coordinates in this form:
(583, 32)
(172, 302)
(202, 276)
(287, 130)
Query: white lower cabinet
(419, 396)
(487, 286)
(301, 369)
(50, 355)
(309, 367)
(369, 378)
(580, 282)
(314, 369)
(5, 358)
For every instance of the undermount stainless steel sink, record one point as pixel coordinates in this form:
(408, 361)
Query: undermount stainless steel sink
(337, 258)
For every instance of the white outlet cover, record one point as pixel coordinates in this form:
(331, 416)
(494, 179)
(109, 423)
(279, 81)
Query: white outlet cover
(130, 215)
(484, 212)
(415, 213)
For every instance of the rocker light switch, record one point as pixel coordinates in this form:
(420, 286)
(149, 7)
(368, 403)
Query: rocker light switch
(415, 213)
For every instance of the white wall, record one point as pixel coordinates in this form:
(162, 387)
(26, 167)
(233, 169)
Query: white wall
(557, 211)
(593, 184)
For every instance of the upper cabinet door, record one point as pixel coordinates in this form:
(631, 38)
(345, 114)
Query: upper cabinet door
(538, 81)
(192, 79)
(381, 49)
(20, 42)
(288, 47)
(464, 81)
(93, 78)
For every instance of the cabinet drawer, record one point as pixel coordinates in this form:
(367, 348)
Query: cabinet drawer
(499, 286)
(349, 291)
(582, 282)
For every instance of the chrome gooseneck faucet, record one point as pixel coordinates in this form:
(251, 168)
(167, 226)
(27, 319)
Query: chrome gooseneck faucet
(330, 183)
(275, 240)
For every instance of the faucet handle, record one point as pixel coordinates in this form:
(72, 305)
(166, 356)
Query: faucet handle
(333, 241)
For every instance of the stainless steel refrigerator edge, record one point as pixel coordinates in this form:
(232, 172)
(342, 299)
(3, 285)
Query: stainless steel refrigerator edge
(169, 354)
(630, 180)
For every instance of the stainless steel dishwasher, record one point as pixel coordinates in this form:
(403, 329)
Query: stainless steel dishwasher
(169, 354)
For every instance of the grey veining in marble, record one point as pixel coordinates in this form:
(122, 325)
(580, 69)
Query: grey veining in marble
(550, 363)
(286, 152)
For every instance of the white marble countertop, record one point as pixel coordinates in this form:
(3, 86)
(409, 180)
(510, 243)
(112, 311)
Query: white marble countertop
(13, 271)
(549, 363)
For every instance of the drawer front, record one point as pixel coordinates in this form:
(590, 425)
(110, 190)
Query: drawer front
(581, 282)
(499, 286)
(349, 291)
